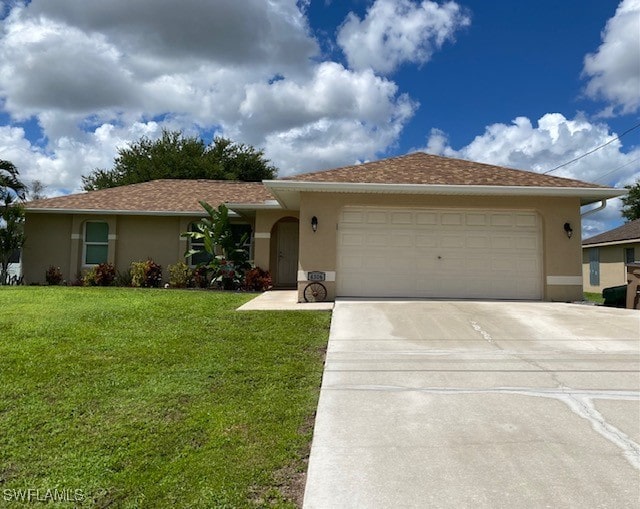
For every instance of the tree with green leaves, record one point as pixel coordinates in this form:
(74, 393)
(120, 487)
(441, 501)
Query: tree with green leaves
(9, 181)
(631, 202)
(175, 156)
(11, 216)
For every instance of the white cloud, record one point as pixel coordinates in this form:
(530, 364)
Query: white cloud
(397, 31)
(95, 76)
(614, 70)
(552, 142)
(45, 65)
(60, 165)
(251, 32)
(335, 117)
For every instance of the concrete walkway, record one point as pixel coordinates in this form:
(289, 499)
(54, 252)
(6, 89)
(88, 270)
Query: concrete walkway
(283, 300)
(478, 404)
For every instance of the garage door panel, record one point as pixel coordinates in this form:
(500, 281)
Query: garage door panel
(501, 242)
(402, 218)
(524, 220)
(352, 217)
(452, 242)
(376, 217)
(477, 242)
(352, 239)
(375, 263)
(503, 263)
(451, 219)
(476, 264)
(526, 243)
(502, 220)
(402, 239)
(426, 241)
(473, 219)
(528, 264)
(439, 253)
(376, 239)
(350, 262)
(426, 218)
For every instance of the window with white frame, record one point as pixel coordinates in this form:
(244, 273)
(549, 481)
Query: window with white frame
(96, 243)
(202, 257)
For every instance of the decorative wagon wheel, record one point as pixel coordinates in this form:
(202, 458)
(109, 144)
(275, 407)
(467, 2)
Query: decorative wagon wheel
(315, 292)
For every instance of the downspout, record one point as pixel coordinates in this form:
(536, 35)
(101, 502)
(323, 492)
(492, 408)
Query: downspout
(603, 204)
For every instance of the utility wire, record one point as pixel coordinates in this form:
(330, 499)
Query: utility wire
(592, 151)
(618, 168)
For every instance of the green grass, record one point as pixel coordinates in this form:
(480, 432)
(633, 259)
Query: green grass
(593, 297)
(155, 398)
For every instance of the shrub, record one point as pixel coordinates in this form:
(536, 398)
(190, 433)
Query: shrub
(147, 274)
(100, 275)
(257, 280)
(89, 277)
(105, 274)
(123, 278)
(180, 275)
(53, 276)
(200, 278)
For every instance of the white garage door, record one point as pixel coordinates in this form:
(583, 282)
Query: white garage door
(395, 252)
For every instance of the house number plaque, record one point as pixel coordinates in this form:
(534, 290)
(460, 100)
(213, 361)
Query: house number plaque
(315, 275)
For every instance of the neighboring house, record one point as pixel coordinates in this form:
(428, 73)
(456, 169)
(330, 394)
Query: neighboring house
(412, 226)
(605, 256)
(15, 267)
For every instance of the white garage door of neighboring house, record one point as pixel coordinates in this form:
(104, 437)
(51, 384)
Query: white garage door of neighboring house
(396, 252)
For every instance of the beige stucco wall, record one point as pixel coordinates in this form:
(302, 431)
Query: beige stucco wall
(57, 239)
(48, 242)
(561, 255)
(264, 237)
(142, 237)
(613, 271)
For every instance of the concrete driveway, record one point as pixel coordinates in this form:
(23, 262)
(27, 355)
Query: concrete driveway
(478, 404)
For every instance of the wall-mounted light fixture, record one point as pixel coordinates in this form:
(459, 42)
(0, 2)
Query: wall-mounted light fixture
(314, 224)
(568, 230)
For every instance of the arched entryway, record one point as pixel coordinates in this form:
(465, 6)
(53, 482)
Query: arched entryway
(284, 252)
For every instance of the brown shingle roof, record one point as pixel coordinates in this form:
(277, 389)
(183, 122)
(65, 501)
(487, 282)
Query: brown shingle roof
(628, 231)
(169, 196)
(421, 168)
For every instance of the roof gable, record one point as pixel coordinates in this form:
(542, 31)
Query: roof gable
(426, 169)
(626, 232)
(167, 196)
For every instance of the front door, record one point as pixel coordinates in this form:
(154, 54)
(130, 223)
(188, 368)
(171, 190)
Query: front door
(287, 254)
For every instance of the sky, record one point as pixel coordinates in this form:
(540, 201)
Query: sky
(319, 84)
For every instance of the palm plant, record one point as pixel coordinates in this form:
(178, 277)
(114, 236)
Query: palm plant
(228, 259)
(9, 181)
(11, 216)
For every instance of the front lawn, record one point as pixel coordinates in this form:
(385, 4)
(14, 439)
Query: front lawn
(594, 297)
(154, 398)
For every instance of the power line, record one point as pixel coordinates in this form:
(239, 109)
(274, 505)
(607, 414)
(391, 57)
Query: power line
(618, 168)
(592, 151)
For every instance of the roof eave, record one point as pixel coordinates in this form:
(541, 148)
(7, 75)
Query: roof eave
(287, 192)
(611, 243)
(109, 212)
(267, 205)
